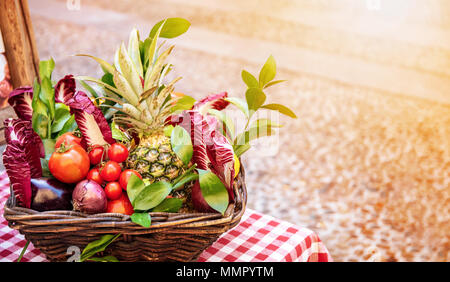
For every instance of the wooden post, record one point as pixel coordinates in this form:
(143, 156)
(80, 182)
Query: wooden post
(18, 38)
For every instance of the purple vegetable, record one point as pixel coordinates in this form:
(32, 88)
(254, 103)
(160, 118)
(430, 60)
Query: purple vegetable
(65, 89)
(50, 194)
(20, 100)
(89, 197)
(22, 158)
(90, 120)
(212, 151)
(214, 101)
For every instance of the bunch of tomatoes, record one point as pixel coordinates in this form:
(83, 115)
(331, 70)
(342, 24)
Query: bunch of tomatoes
(71, 163)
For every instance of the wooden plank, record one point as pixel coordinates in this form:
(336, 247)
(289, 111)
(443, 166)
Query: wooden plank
(19, 42)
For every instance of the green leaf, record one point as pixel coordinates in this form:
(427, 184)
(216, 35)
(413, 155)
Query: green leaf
(89, 89)
(134, 187)
(267, 72)
(186, 178)
(125, 89)
(133, 51)
(168, 130)
(129, 71)
(69, 126)
(150, 52)
(169, 205)
(182, 144)
(59, 123)
(227, 122)
(213, 190)
(62, 115)
(49, 147)
(264, 122)
(142, 218)
(143, 47)
(184, 103)
(118, 134)
(98, 246)
(45, 170)
(40, 124)
(259, 128)
(173, 27)
(46, 69)
(151, 195)
(153, 73)
(273, 83)
(101, 83)
(241, 149)
(249, 79)
(255, 99)
(240, 103)
(280, 108)
(104, 259)
(108, 78)
(47, 96)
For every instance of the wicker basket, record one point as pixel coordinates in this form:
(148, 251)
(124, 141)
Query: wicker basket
(171, 237)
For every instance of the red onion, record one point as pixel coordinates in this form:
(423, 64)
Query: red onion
(89, 197)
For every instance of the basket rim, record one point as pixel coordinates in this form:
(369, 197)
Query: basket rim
(28, 220)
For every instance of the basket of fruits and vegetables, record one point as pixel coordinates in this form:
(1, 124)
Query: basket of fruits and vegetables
(129, 170)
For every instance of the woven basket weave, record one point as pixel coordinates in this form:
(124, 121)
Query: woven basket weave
(171, 237)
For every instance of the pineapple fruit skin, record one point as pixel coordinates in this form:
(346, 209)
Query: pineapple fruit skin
(155, 160)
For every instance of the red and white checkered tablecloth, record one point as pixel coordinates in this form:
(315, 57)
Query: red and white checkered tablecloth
(257, 238)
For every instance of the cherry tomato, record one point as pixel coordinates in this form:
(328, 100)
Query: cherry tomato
(125, 176)
(96, 155)
(69, 138)
(121, 205)
(94, 174)
(113, 190)
(110, 171)
(118, 152)
(69, 164)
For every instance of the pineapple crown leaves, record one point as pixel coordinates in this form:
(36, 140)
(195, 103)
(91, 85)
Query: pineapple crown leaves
(133, 84)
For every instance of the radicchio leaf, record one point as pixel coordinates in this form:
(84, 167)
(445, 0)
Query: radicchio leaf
(212, 151)
(21, 158)
(93, 125)
(214, 101)
(21, 99)
(65, 89)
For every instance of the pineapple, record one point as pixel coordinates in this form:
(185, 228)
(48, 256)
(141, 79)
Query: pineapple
(141, 104)
(154, 159)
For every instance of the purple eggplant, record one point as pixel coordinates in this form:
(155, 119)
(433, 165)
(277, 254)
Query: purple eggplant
(49, 194)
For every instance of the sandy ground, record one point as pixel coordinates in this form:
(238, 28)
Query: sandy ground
(367, 170)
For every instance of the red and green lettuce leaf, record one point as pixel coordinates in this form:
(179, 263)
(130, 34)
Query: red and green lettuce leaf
(21, 100)
(90, 120)
(65, 89)
(21, 158)
(214, 101)
(212, 152)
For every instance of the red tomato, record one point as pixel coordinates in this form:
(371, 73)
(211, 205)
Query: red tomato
(110, 171)
(68, 138)
(118, 152)
(94, 174)
(125, 176)
(69, 164)
(96, 155)
(121, 205)
(113, 190)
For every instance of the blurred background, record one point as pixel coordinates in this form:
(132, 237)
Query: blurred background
(367, 163)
